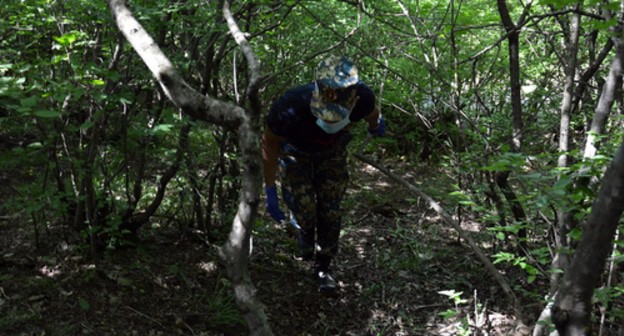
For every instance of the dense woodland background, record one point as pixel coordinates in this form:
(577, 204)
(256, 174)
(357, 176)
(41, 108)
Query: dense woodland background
(130, 185)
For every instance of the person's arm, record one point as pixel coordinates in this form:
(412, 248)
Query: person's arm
(270, 153)
(373, 119)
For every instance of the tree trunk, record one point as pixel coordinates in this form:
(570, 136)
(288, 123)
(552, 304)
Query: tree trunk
(513, 34)
(572, 310)
(513, 38)
(564, 217)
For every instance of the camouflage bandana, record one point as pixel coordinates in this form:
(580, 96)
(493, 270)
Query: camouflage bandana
(337, 72)
(331, 110)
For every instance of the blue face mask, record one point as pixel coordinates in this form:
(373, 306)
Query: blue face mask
(332, 128)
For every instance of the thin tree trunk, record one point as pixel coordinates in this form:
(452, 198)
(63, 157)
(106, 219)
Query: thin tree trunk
(513, 34)
(235, 251)
(135, 221)
(513, 38)
(565, 218)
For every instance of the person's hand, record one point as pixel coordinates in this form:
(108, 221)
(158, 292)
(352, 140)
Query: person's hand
(380, 130)
(272, 204)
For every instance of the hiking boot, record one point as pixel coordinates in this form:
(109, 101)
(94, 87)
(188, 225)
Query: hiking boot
(327, 283)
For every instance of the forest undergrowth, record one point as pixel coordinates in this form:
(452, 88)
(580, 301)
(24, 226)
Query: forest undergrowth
(402, 271)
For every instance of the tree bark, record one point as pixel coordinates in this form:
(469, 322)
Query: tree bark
(235, 251)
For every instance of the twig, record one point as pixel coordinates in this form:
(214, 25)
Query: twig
(436, 305)
(147, 317)
(180, 322)
(4, 294)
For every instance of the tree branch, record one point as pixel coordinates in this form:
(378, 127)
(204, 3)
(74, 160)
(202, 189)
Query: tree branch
(190, 101)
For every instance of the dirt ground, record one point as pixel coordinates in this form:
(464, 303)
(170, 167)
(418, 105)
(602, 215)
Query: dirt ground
(399, 269)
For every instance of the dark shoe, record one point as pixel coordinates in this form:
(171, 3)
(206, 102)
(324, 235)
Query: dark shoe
(327, 283)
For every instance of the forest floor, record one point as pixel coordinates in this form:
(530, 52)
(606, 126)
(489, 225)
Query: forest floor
(399, 269)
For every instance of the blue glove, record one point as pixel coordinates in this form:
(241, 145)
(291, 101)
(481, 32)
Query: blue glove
(272, 204)
(380, 130)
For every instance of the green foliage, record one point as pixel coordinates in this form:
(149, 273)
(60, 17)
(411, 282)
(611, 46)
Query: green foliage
(464, 327)
(521, 262)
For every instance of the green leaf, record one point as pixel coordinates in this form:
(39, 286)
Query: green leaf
(164, 128)
(47, 114)
(531, 270)
(449, 313)
(29, 102)
(87, 124)
(125, 101)
(576, 234)
(84, 304)
(97, 82)
(67, 39)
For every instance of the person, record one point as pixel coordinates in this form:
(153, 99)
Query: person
(306, 135)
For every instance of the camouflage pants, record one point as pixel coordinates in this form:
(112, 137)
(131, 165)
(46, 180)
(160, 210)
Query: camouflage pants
(312, 187)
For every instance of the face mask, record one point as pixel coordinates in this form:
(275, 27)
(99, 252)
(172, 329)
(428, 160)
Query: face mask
(332, 128)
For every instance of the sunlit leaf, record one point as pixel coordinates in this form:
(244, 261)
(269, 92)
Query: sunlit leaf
(67, 39)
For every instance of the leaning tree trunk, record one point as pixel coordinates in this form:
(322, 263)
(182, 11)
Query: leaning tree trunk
(202, 107)
(573, 307)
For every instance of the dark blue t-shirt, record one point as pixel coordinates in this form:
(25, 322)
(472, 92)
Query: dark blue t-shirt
(290, 117)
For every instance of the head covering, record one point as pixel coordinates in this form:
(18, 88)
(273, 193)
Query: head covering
(335, 73)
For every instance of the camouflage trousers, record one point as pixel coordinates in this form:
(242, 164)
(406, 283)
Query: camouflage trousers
(313, 185)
